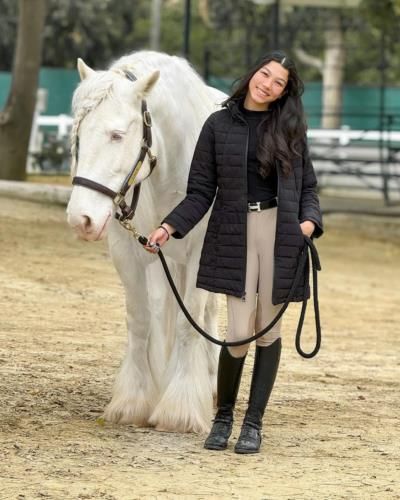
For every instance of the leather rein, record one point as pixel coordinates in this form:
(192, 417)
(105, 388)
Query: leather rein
(127, 211)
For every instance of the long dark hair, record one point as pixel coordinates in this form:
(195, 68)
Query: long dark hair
(283, 130)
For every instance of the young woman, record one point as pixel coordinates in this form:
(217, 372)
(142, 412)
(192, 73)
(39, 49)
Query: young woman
(252, 161)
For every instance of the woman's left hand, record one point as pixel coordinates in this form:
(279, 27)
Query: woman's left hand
(307, 228)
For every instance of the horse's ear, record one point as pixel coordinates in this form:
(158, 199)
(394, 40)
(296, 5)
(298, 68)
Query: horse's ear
(145, 84)
(84, 70)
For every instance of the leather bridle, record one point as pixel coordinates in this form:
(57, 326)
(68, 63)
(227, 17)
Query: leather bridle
(127, 211)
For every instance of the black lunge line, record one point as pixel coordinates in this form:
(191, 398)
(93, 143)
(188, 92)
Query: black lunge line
(309, 251)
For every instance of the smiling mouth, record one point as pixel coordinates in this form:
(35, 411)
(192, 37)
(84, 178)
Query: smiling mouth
(262, 92)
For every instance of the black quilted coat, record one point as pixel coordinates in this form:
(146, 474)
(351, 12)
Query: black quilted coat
(219, 170)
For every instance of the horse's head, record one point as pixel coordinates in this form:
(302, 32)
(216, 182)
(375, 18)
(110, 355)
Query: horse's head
(107, 137)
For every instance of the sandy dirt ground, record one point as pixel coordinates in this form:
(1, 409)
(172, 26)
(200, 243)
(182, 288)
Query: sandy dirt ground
(332, 426)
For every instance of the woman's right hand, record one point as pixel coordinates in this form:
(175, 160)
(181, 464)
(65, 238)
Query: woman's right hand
(158, 237)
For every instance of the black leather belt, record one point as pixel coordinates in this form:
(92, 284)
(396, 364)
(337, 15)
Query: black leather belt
(257, 206)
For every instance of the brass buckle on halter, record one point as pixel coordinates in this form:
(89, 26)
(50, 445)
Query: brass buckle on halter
(147, 118)
(120, 197)
(152, 159)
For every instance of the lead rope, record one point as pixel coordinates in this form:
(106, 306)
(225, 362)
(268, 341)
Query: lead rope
(309, 248)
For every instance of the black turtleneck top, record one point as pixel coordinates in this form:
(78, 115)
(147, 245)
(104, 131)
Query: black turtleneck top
(258, 188)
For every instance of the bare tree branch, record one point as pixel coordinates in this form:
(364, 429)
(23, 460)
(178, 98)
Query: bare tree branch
(306, 58)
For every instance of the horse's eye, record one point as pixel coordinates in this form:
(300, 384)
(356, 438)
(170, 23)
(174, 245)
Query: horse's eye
(116, 137)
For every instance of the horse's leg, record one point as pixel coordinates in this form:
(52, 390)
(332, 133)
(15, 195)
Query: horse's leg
(186, 403)
(163, 311)
(135, 392)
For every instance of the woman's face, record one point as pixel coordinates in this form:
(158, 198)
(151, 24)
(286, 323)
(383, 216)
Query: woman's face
(266, 86)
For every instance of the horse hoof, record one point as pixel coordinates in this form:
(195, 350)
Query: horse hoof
(127, 413)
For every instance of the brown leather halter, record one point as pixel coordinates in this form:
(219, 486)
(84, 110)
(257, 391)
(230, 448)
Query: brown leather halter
(127, 210)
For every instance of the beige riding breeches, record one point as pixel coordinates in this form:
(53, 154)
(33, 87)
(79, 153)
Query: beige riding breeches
(250, 314)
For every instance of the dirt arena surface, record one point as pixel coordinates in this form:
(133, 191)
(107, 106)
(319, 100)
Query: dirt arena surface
(332, 427)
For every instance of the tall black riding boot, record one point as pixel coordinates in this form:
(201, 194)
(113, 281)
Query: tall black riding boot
(264, 373)
(229, 375)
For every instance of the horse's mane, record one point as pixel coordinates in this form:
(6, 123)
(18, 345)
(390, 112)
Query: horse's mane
(175, 72)
(88, 95)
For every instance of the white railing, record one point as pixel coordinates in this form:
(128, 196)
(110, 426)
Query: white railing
(63, 125)
(345, 135)
(366, 160)
(340, 137)
(62, 122)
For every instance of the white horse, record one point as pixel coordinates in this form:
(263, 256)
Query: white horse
(167, 378)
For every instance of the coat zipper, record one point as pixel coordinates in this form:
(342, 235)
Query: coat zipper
(243, 297)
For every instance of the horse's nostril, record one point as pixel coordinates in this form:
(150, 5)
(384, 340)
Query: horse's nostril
(86, 223)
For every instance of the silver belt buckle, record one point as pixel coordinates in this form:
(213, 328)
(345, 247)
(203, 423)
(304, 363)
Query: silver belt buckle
(254, 206)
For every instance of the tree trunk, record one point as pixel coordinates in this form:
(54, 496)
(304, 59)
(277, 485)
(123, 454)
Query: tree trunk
(334, 61)
(155, 29)
(16, 118)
